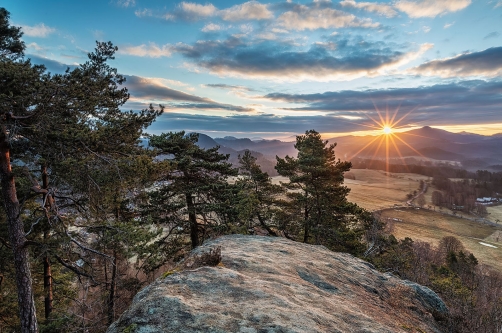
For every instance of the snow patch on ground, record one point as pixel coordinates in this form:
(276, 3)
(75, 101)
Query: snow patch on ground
(489, 245)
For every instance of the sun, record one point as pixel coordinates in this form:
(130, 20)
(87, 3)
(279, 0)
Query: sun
(387, 129)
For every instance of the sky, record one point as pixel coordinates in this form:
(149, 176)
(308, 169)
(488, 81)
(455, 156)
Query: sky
(274, 69)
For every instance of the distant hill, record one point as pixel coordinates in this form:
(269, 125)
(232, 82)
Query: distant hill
(426, 142)
(271, 148)
(235, 147)
(473, 151)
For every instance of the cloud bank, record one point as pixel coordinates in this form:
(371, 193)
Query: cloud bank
(340, 59)
(484, 63)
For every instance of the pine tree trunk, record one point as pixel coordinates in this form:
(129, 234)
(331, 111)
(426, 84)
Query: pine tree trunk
(17, 239)
(306, 235)
(113, 288)
(192, 218)
(48, 295)
(48, 298)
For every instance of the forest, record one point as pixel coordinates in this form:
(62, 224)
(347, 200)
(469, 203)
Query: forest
(90, 216)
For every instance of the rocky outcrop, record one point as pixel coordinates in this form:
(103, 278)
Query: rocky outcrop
(266, 284)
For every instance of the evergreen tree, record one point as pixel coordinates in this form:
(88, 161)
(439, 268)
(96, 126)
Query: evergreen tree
(257, 194)
(318, 202)
(193, 193)
(67, 124)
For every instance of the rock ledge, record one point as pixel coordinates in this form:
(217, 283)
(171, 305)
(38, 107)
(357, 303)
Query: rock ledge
(267, 284)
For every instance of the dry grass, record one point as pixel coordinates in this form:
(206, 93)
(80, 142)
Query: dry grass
(430, 226)
(375, 189)
(495, 213)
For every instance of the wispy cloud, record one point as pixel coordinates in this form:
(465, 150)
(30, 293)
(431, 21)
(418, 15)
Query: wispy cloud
(193, 11)
(493, 34)
(379, 8)
(430, 8)
(39, 30)
(448, 25)
(252, 10)
(189, 11)
(227, 86)
(35, 47)
(211, 27)
(303, 17)
(155, 89)
(484, 63)
(126, 3)
(150, 50)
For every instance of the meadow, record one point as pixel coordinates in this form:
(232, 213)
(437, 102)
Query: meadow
(376, 189)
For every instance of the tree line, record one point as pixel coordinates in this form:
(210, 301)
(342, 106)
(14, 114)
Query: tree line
(487, 182)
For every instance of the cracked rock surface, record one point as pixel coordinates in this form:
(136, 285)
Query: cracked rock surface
(268, 284)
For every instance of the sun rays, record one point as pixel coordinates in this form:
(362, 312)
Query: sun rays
(389, 139)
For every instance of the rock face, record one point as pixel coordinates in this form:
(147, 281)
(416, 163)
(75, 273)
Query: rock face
(266, 284)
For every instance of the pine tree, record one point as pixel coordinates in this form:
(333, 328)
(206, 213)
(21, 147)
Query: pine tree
(68, 124)
(192, 193)
(257, 194)
(318, 202)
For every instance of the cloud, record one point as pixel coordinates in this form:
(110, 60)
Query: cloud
(211, 27)
(493, 34)
(281, 62)
(465, 101)
(447, 25)
(185, 11)
(150, 50)
(39, 30)
(144, 12)
(193, 11)
(227, 86)
(484, 63)
(317, 17)
(250, 125)
(189, 11)
(154, 89)
(126, 3)
(36, 47)
(430, 8)
(251, 10)
(52, 66)
(379, 8)
(498, 4)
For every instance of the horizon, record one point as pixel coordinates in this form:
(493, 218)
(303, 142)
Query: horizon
(275, 69)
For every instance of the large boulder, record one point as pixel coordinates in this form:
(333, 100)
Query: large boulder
(266, 284)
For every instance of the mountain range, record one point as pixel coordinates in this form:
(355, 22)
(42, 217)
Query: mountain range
(468, 150)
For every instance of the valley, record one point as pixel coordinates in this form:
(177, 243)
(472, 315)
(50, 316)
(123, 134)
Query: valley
(379, 190)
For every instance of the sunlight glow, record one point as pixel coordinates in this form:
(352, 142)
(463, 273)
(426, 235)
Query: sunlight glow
(389, 137)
